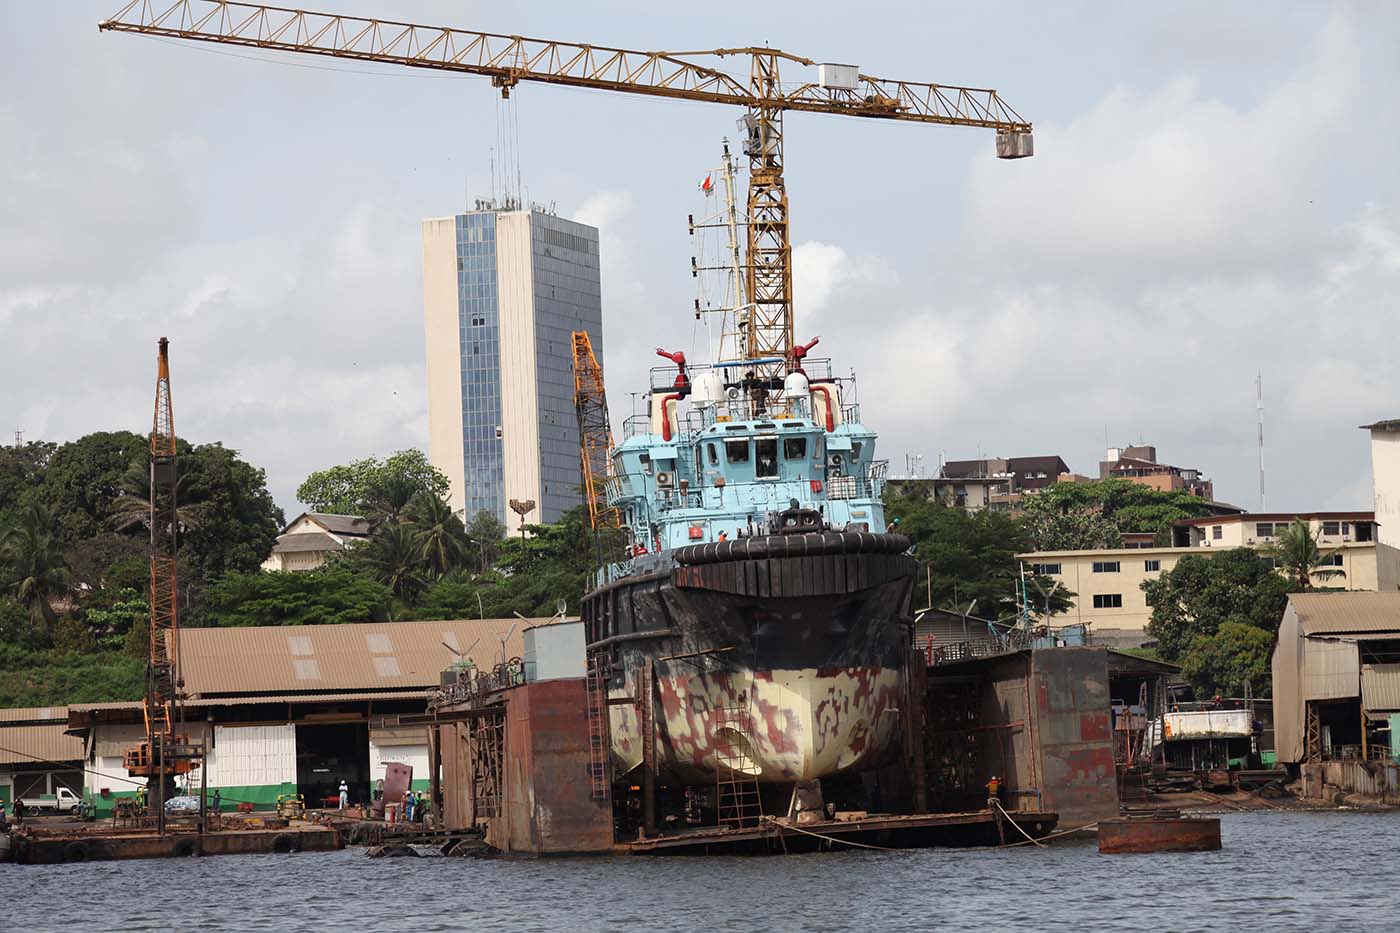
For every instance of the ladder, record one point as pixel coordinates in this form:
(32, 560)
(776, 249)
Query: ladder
(736, 788)
(596, 683)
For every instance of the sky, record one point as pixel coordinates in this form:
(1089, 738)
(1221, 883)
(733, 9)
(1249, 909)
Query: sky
(1213, 196)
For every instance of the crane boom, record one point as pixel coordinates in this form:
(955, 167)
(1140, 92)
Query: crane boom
(695, 75)
(594, 429)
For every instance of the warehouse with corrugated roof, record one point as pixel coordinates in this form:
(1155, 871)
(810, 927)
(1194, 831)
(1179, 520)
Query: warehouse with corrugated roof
(36, 755)
(296, 709)
(1336, 678)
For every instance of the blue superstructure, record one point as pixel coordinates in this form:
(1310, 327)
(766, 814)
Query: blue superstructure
(702, 467)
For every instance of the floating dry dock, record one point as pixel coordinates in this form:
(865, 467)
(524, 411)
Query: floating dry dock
(885, 831)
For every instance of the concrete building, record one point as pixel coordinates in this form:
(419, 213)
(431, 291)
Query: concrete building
(503, 288)
(36, 756)
(1254, 529)
(1336, 680)
(297, 709)
(1109, 582)
(1385, 486)
(312, 537)
(1139, 465)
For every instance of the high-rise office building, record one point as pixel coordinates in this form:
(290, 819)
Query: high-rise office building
(503, 288)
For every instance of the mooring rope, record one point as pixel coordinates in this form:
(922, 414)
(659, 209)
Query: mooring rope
(1063, 832)
(1016, 824)
(844, 842)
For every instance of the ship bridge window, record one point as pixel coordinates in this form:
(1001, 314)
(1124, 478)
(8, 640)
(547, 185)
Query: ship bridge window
(736, 451)
(767, 455)
(714, 453)
(645, 460)
(855, 450)
(794, 448)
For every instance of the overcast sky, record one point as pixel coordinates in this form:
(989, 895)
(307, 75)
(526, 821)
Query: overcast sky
(1214, 193)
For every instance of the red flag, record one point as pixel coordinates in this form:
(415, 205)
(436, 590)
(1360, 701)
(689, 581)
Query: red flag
(708, 185)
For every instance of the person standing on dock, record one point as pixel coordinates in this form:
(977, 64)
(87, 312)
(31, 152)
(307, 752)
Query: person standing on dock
(344, 795)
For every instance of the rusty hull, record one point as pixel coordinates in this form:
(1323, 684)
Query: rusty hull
(52, 849)
(1149, 835)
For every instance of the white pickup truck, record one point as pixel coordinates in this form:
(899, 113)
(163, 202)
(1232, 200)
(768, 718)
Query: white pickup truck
(61, 802)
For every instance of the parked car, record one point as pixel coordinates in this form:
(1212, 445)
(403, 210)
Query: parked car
(61, 802)
(182, 805)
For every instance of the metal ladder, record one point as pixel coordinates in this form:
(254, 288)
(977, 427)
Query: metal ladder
(596, 684)
(736, 790)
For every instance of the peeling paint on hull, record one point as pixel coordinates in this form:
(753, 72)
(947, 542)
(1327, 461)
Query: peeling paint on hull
(807, 723)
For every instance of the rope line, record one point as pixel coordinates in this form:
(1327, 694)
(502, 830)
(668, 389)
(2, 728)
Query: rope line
(1016, 824)
(844, 842)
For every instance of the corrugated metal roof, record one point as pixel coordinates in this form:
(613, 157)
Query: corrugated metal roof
(306, 541)
(1347, 612)
(360, 656)
(203, 702)
(35, 744)
(1380, 687)
(341, 524)
(33, 714)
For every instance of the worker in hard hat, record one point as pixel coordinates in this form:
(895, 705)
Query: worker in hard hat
(993, 792)
(344, 795)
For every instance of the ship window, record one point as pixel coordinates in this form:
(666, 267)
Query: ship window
(794, 448)
(714, 454)
(736, 451)
(767, 453)
(855, 450)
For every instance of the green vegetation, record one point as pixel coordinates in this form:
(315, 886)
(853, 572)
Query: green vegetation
(374, 488)
(1217, 617)
(1074, 516)
(1297, 553)
(73, 564)
(968, 556)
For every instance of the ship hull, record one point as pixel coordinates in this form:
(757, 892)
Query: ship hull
(795, 666)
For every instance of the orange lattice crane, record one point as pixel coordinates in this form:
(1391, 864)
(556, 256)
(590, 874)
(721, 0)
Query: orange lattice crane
(594, 430)
(165, 752)
(756, 85)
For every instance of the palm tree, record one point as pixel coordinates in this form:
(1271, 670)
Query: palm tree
(439, 532)
(388, 499)
(1298, 554)
(133, 506)
(391, 555)
(32, 558)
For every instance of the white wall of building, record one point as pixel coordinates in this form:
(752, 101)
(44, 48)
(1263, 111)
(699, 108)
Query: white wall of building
(1385, 484)
(253, 756)
(520, 426)
(442, 326)
(415, 756)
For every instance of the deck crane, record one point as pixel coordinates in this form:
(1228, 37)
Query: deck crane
(757, 85)
(166, 752)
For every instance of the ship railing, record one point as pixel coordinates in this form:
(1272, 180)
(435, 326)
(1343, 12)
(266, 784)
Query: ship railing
(850, 414)
(757, 493)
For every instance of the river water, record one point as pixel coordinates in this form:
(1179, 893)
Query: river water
(1278, 871)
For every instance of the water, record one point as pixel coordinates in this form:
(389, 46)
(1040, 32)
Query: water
(1277, 871)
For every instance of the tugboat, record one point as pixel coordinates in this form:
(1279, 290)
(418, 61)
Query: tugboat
(760, 621)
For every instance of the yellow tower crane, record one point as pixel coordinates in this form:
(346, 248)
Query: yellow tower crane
(594, 429)
(757, 85)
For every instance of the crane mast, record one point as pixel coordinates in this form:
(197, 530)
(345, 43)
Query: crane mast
(698, 76)
(165, 752)
(595, 431)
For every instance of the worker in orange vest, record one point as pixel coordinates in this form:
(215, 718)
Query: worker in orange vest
(993, 792)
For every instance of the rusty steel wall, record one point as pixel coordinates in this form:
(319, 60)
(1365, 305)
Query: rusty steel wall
(1071, 725)
(456, 777)
(1371, 778)
(1006, 717)
(548, 805)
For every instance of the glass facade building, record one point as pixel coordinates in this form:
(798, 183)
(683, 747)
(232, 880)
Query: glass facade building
(523, 281)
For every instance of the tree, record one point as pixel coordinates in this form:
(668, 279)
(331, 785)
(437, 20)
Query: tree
(1129, 506)
(332, 594)
(237, 519)
(1201, 593)
(83, 478)
(1222, 664)
(109, 559)
(363, 486)
(112, 616)
(391, 556)
(1074, 530)
(21, 472)
(31, 558)
(486, 533)
(1300, 558)
(440, 534)
(967, 556)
